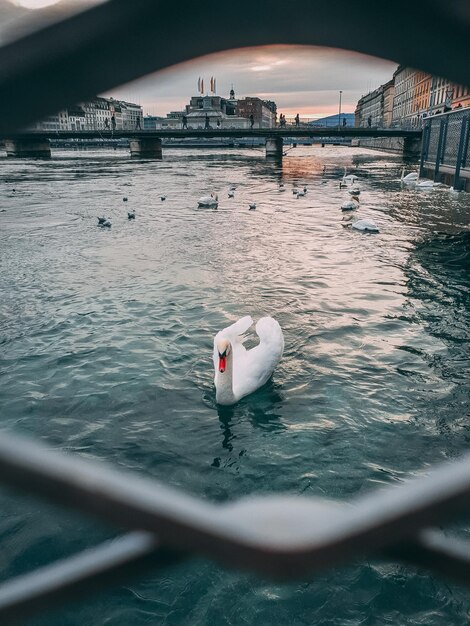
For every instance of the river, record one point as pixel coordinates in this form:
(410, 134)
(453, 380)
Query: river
(106, 348)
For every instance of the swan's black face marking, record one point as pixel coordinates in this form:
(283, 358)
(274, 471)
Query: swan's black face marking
(223, 359)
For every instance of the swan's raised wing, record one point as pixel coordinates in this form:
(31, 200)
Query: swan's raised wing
(259, 362)
(238, 328)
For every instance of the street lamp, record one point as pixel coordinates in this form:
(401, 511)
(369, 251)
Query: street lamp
(339, 113)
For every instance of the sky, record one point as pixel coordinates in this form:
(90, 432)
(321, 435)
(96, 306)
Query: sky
(300, 79)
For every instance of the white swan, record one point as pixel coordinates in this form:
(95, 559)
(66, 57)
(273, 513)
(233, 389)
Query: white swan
(350, 205)
(410, 178)
(366, 226)
(349, 178)
(209, 201)
(239, 372)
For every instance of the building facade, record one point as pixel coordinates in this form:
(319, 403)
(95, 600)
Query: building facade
(95, 114)
(217, 112)
(388, 96)
(263, 111)
(370, 109)
(411, 96)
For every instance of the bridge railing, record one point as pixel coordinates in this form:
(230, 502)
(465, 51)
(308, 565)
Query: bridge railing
(445, 153)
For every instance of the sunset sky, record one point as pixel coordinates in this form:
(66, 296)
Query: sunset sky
(299, 79)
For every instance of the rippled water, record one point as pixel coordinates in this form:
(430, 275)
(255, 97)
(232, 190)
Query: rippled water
(106, 352)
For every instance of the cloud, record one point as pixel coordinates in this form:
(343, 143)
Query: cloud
(306, 79)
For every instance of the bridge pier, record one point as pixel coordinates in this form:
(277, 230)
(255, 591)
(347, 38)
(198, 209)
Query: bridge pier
(27, 148)
(274, 147)
(146, 148)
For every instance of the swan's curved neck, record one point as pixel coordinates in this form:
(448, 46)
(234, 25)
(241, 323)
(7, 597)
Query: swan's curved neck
(224, 383)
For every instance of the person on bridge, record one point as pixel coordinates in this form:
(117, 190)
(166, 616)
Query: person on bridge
(252, 121)
(113, 122)
(369, 121)
(184, 119)
(106, 123)
(207, 125)
(137, 124)
(344, 122)
(297, 121)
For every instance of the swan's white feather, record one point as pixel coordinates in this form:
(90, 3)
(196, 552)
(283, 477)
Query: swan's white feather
(251, 368)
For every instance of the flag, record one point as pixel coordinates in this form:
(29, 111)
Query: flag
(199, 84)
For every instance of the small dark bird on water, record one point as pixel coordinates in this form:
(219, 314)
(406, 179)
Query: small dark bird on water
(131, 215)
(162, 198)
(103, 221)
(124, 199)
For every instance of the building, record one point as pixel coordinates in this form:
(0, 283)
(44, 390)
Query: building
(370, 109)
(94, 115)
(206, 111)
(263, 111)
(388, 96)
(403, 102)
(151, 121)
(132, 115)
(408, 98)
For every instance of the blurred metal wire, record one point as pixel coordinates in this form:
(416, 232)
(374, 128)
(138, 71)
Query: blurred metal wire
(284, 537)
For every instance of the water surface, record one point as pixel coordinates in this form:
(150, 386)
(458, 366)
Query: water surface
(106, 352)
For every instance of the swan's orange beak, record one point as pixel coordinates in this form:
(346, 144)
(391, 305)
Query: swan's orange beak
(222, 362)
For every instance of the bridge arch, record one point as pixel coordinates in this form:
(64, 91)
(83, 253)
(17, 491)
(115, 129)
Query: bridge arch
(119, 41)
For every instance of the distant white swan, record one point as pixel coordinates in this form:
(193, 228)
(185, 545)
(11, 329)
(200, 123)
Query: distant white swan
(350, 205)
(209, 201)
(410, 178)
(239, 372)
(349, 178)
(365, 226)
